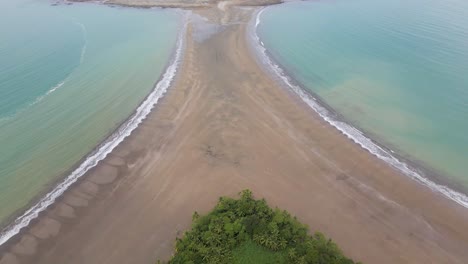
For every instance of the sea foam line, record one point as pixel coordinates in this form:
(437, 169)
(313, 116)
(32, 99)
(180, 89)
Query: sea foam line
(85, 39)
(53, 89)
(349, 131)
(82, 54)
(105, 148)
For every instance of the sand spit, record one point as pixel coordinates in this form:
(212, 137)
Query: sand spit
(224, 126)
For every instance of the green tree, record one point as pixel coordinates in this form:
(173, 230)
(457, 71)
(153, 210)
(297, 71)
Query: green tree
(234, 223)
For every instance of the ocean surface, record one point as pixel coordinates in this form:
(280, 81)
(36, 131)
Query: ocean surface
(397, 70)
(69, 76)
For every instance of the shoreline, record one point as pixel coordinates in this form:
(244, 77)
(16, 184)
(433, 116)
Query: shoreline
(415, 170)
(24, 216)
(188, 5)
(224, 126)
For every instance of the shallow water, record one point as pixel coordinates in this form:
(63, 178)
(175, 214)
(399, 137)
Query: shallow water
(395, 69)
(69, 75)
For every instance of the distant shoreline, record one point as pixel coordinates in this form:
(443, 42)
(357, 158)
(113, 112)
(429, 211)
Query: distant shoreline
(190, 5)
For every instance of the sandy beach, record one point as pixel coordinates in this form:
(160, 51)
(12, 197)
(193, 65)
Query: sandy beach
(225, 125)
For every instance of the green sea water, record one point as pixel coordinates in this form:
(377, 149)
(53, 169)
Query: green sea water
(69, 75)
(398, 70)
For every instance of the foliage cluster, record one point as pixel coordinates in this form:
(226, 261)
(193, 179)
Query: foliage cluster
(236, 222)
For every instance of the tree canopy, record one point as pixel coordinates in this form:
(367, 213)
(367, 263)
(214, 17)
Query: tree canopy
(245, 229)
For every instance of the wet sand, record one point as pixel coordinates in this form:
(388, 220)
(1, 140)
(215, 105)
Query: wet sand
(224, 126)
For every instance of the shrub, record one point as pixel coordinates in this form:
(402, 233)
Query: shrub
(233, 223)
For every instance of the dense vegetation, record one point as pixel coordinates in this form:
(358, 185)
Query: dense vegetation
(249, 231)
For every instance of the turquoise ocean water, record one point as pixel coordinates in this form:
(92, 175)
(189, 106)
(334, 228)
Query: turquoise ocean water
(69, 76)
(397, 70)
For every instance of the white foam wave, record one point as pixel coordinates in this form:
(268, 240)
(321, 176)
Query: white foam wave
(53, 89)
(257, 19)
(349, 131)
(85, 40)
(104, 149)
(82, 55)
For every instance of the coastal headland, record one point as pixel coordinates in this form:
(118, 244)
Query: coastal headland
(226, 125)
